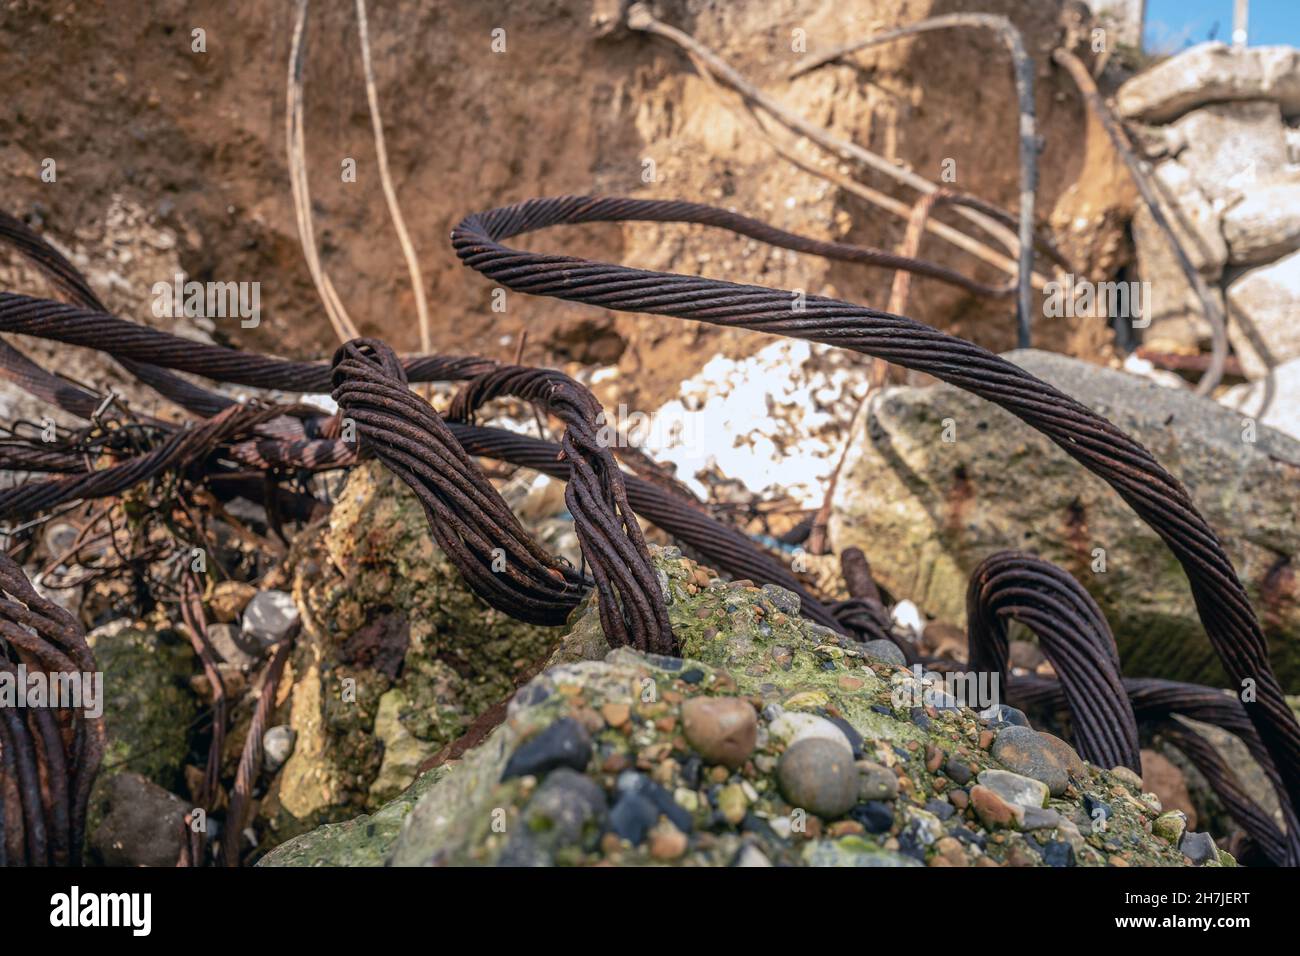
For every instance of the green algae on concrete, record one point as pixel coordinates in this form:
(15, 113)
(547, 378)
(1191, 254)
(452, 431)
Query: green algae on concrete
(366, 840)
(395, 659)
(748, 643)
(149, 709)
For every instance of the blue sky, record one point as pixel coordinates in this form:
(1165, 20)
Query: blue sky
(1172, 25)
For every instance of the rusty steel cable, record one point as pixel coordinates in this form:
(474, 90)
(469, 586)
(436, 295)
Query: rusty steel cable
(250, 758)
(196, 624)
(1022, 71)
(96, 329)
(899, 292)
(724, 547)
(471, 523)
(632, 611)
(722, 303)
(1155, 495)
(1074, 637)
(1154, 702)
(728, 549)
(65, 276)
(178, 450)
(864, 612)
(1257, 822)
(51, 752)
(26, 829)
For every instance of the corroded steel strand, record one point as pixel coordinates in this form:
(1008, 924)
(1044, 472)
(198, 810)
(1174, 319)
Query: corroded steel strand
(864, 612)
(180, 448)
(726, 548)
(96, 329)
(1154, 701)
(631, 608)
(250, 758)
(1073, 635)
(475, 528)
(1257, 823)
(55, 751)
(1155, 495)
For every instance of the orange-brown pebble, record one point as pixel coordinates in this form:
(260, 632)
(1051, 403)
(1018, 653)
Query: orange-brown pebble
(667, 842)
(992, 810)
(616, 715)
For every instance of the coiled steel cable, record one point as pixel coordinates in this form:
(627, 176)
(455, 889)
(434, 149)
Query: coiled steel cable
(52, 753)
(726, 548)
(1155, 495)
(1257, 823)
(631, 608)
(179, 449)
(1155, 701)
(473, 526)
(864, 612)
(55, 266)
(1074, 637)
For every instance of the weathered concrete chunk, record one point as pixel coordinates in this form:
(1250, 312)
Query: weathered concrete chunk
(148, 705)
(1265, 224)
(927, 511)
(395, 658)
(1274, 401)
(1209, 73)
(1191, 215)
(1263, 305)
(646, 796)
(1234, 147)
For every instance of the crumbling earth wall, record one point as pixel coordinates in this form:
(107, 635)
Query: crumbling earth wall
(193, 143)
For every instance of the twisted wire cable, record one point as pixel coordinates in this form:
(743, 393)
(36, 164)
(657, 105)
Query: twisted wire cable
(470, 521)
(1073, 635)
(864, 612)
(73, 398)
(250, 758)
(95, 328)
(51, 753)
(1155, 495)
(728, 549)
(1155, 701)
(19, 765)
(177, 450)
(632, 610)
(1256, 821)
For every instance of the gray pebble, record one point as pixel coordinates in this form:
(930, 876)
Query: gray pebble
(886, 651)
(1028, 753)
(277, 746)
(270, 617)
(819, 775)
(1199, 848)
(1014, 788)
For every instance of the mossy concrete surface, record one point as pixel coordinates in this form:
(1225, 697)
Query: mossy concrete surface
(396, 657)
(749, 644)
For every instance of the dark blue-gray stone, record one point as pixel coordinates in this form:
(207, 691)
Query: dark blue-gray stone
(564, 743)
